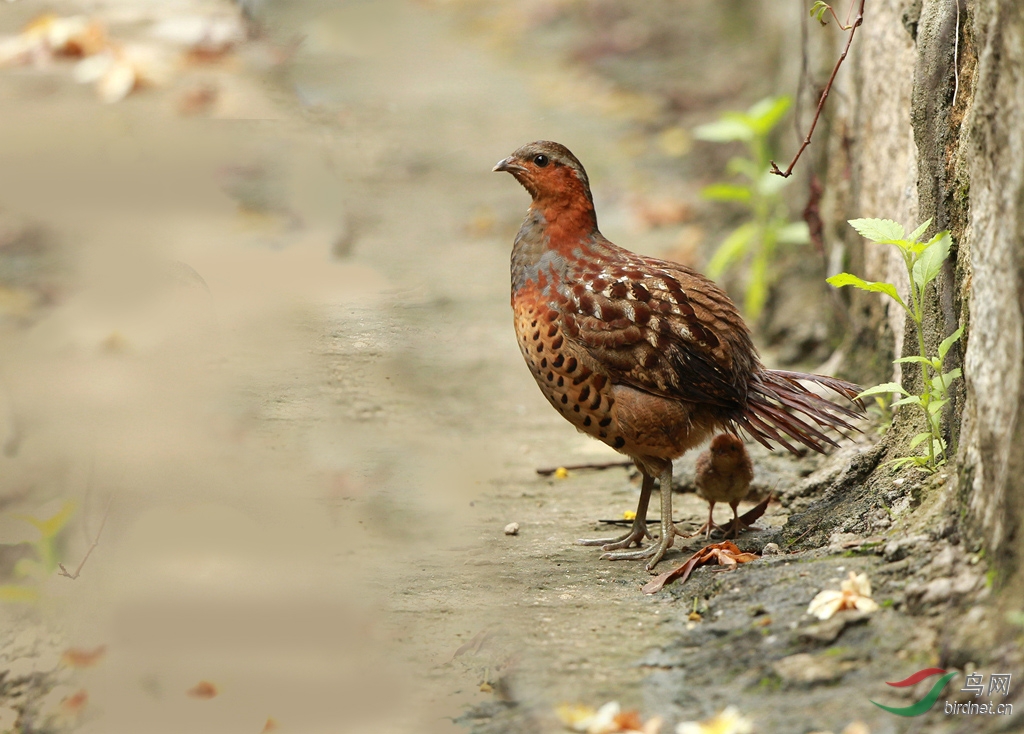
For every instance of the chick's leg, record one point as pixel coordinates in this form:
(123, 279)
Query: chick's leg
(708, 527)
(639, 530)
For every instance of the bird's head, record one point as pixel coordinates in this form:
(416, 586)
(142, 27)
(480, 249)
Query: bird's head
(727, 448)
(551, 173)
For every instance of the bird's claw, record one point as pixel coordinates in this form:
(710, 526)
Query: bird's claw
(654, 552)
(623, 541)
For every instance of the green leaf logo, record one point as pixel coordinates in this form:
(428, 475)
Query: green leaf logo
(925, 703)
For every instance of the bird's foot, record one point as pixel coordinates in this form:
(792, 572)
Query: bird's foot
(655, 552)
(733, 528)
(706, 529)
(636, 536)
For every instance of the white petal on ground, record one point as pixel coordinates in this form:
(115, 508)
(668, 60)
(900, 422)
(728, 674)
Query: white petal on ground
(729, 721)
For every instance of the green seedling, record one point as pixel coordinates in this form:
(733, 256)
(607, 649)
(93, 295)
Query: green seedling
(754, 188)
(42, 536)
(923, 261)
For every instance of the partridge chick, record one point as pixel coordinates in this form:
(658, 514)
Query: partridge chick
(724, 473)
(646, 355)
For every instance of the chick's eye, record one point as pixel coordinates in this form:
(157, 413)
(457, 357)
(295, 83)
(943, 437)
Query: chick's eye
(540, 161)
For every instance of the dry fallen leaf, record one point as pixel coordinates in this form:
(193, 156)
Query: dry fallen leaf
(729, 721)
(74, 35)
(855, 594)
(74, 703)
(203, 689)
(206, 37)
(77, 658)
(724, 554)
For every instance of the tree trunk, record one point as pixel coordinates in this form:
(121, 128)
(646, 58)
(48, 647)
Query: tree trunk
(929, 122)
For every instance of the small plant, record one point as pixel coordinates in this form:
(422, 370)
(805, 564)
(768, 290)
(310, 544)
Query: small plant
(756, 189)
(923, 261)
(42, 536)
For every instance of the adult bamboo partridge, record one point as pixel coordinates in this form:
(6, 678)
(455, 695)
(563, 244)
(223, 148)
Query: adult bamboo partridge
(646, 355)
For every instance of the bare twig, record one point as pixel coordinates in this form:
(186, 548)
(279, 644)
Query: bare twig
(63, 571)
(576, 467)
(824, 94)
(798, 122)
(956, 55)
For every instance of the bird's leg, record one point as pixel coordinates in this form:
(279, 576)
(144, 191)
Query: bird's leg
(736, 525)
(710, 526)
(668, 531)
(639, 530)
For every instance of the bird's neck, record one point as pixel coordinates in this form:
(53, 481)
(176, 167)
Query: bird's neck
(551, 235)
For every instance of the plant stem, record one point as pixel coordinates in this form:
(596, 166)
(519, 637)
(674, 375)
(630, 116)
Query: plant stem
(917, 315)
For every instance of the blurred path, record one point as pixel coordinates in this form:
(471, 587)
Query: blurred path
(282, 346)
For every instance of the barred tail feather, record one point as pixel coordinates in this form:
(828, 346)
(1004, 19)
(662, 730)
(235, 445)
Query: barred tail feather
(780, 408)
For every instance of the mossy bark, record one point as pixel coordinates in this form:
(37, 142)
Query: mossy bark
(929, 123)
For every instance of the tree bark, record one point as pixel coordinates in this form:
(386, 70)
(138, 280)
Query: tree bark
(930, 123)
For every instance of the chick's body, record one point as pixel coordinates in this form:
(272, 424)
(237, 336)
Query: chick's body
(724, 474)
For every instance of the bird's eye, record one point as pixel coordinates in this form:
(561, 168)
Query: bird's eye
(540, 161)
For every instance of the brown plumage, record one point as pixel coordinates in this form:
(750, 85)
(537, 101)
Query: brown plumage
(724, 473)
(646, 355)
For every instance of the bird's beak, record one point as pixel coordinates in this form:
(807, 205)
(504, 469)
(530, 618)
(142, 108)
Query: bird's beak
(508, 165)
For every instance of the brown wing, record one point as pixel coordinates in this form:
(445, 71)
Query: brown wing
(660, 327)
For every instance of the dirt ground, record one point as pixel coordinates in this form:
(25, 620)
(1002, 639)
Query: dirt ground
(269, 330)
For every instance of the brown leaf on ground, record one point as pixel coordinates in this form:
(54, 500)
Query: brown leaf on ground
(74, 704)
(78, 658)
(203, 689)
(723, 554)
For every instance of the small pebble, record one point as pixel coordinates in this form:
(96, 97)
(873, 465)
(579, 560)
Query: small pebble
(512, 528)
(771, 549)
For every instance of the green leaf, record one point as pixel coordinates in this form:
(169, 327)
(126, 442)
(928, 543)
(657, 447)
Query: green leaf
(818, 10)
(726, 192)
(916, 234)
(55, 523)
(757, 287)
(918, 461)
(724, 130)
(795, 233)
(915, 358)
(883, 231)
(888, 289)
(16, 593)
(946, 379)
(884, 389)
(929, 264)
(28, 568)
(768, 184)
(936, 406)
(949, 341)
(744, 167)
(767, 113)
(731, 249)
(919, 438)
(909, 400)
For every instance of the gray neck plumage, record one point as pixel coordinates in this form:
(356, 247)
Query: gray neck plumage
(531, 252)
